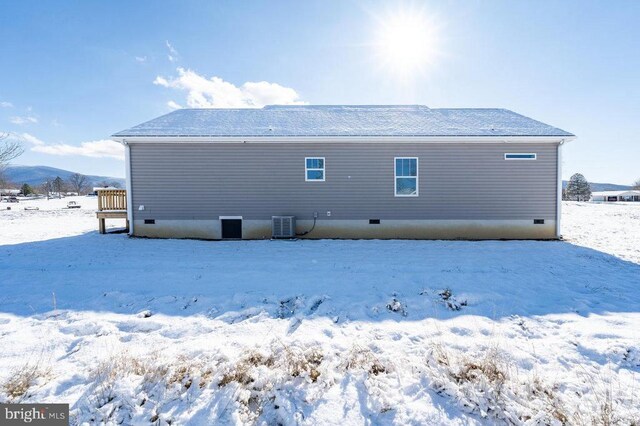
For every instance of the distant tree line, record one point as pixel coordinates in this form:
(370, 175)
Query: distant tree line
(77, 183)
(56, 186)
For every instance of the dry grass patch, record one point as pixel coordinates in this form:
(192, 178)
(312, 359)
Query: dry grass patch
(243, 372)
(124, 364)
(300, 363)
(185, 370)
(364, 358)
(488, 385)
(28, 375)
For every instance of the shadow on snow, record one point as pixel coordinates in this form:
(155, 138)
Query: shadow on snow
(343, 280)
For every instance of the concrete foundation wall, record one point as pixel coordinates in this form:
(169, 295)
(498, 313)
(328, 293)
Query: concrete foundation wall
(387, 229)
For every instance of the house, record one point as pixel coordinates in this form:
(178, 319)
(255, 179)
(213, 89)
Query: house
(9, 191)
(95, 189)
(344, 172)
(609, 196)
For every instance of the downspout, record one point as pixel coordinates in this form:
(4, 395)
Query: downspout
(559, 194)
(127, 162)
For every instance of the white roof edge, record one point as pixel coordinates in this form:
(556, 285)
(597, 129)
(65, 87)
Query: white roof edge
(342, 139)
(617, 192)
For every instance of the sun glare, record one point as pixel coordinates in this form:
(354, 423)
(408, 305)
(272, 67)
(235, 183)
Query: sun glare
(407, 42)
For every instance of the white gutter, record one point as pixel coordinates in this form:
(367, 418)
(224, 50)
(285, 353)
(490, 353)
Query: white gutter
(344, 139)
(127, 162)
(559, 194)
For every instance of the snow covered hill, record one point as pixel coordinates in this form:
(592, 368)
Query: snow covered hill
(132, 331)
(36, 175)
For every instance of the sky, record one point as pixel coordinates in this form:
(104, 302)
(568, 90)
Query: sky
(74, 72)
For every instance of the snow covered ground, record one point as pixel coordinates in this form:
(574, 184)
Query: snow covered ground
(137, 331)
(608, 227)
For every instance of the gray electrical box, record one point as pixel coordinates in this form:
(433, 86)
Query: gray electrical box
(283, 226)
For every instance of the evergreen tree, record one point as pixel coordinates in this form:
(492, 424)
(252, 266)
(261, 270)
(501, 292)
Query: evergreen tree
(26, 189)
(58, 185)
(578, 188)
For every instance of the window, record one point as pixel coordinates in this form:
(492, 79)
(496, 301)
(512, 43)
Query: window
(314, 169)
(520, 156)
(406, 177)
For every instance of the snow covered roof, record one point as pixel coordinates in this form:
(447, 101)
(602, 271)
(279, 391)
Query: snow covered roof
(616, 193)
(340, 121)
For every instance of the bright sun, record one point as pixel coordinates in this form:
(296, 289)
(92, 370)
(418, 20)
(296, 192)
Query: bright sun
(407, 43)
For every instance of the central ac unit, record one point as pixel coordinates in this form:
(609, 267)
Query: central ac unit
(283, 226)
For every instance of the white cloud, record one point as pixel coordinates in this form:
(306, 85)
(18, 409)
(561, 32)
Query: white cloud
(104, 148)
(161, 81)
(173, 54)
(214, 92)
(141, 59)
(23, 120)
(5, 104)
(26, 137)
(174, 105)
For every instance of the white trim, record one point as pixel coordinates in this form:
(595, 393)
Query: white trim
(559, 193)
(229, 217)
(395, 177)
(344, 139)
(535, 156)
(127, 163)
(323, 169)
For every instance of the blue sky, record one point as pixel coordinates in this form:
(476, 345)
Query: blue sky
(73, 73)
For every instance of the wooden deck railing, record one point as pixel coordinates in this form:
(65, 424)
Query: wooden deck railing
(112, 199)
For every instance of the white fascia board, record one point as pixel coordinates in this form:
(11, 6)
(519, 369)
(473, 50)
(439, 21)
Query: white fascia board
(559, 191)
(345, 139)
(127, 161)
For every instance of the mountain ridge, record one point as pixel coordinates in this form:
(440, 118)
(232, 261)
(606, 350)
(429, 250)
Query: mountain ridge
(36, 175)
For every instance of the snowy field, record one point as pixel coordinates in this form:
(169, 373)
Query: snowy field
(140, 331)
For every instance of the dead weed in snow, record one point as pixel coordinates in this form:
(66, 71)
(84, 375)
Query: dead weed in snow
(22, 379)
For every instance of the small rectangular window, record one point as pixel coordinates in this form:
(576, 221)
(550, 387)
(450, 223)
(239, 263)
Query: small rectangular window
(149, 221)
(314, 169)
(520, 156)
(406, 177)
(374, 221)
(538, 221)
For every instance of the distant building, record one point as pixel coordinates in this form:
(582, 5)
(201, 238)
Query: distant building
(96, 188)
(9, 192)
(611, 196)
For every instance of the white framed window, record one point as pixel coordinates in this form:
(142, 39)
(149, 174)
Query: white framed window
(314, 169)
(406, 176)
(520, 156)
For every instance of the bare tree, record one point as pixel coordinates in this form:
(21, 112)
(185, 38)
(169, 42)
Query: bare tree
(9, 149)
(78, 183)
(636, 184)
(45, 188)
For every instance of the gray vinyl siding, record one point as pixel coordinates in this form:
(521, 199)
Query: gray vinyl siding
(185, 181)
